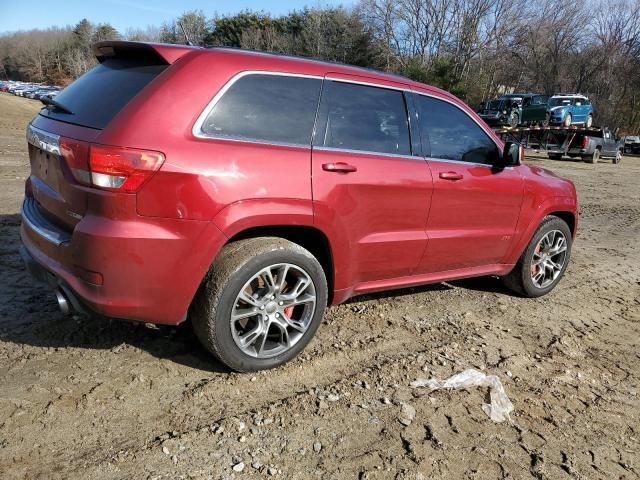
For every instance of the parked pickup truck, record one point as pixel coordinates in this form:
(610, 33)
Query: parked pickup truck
(632, 144)
(592, 145)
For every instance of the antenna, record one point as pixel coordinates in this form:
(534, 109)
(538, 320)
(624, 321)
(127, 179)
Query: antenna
(186, 37)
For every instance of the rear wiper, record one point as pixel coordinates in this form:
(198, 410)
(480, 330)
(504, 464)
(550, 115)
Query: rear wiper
(57, 105)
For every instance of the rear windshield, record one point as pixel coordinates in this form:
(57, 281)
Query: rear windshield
(98, 95)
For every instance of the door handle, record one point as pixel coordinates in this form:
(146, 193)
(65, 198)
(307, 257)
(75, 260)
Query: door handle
(339, 167)
(451, 176)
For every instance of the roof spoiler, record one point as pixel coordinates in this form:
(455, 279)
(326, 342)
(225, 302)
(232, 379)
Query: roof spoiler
(154, 53)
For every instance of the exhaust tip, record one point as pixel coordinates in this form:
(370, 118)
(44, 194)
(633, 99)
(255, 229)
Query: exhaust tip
(63, 303)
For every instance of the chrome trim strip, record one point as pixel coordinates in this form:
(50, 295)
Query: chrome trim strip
(49, 142)
(367, 152)
(40, 225)
(462, 162)
(197, 127)
(365, 83)
(230, 138)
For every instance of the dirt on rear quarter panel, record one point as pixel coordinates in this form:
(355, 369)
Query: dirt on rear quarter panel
(99, 399)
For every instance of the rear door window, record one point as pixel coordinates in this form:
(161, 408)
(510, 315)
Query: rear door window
(364, 118)
(448, 133)
(266, 108)
(98, 95)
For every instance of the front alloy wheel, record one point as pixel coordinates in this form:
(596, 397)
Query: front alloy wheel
(568, 120)
(544, 261)
(548, 259)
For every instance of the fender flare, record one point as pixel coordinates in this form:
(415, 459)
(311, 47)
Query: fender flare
(551, 205)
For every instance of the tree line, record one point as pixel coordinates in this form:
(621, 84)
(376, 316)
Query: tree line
(475, 49)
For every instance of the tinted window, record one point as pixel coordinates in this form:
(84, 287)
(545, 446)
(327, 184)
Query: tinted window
(365, 118)
(272, 108)
(450, 134)
(561, 101)
(98, 95)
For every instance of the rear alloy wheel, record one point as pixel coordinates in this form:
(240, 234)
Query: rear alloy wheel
(589, 121)
(567, 120)
(594, 157)
(273, 310)
(260, 304)
(544, 261)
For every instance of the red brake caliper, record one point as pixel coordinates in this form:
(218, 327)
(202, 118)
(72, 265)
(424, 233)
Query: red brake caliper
(288, 311)
(533, 262)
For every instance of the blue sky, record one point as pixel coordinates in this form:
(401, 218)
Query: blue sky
(29, 14)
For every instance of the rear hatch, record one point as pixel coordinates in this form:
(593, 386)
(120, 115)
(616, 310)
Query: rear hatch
(61, 135)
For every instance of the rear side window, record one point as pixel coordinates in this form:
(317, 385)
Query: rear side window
(448, 133)
(364, 118)
(269, 108)
(98, 95)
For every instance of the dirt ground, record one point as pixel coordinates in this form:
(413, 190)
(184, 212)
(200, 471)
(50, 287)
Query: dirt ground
(88, 398)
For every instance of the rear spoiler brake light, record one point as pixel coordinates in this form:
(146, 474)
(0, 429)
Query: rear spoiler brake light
(153, 53)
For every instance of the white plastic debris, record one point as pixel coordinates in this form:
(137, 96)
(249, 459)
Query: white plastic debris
(500, 406)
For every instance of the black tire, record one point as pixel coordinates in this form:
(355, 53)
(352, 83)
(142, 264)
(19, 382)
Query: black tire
(519, 279)
(554, 156)
(567, 120)
(594, 157)
(236, 264)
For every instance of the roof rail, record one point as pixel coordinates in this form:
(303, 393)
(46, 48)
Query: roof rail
(308, 59)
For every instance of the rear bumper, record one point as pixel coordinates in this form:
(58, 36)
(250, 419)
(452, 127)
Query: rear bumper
(579, 152)
(145, 269)
(41, 274)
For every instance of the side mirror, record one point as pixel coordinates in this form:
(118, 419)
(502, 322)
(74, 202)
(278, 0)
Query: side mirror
(512, 154)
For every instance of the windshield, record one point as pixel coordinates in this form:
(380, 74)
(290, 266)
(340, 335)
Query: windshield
(497, 104)
(503, 102)
(514, 100)
(557, 101)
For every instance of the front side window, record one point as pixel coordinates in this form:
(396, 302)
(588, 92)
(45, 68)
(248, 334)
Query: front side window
(364, 118)
(270, 108)
(448, 133)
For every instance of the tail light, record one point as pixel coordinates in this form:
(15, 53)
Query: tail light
(110, 168)
(122, 169)
(585, 141)
(76, 155)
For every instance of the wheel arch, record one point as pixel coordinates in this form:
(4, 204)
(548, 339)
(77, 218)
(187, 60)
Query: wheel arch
(567, 217)
(564, 208)
(308, 237)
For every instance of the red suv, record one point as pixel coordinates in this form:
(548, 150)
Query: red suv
(247, 191)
